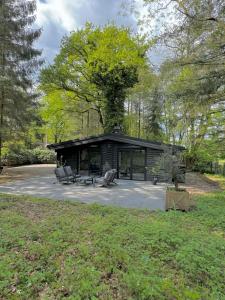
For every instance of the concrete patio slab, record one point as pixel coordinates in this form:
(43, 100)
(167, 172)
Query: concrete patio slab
(128, 193)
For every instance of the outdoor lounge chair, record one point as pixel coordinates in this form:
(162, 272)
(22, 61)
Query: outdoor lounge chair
(69, 173)
(107, 179)
(62, 177)
(114, 171)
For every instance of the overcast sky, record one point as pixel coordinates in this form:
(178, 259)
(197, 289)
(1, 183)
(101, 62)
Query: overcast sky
(59, 17)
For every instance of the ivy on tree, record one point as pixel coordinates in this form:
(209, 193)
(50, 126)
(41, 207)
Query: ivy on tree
(97, 65)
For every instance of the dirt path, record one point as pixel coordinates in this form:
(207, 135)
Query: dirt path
(198, 184)
(23, 172)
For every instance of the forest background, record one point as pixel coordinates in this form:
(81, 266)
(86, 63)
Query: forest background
(103, 76)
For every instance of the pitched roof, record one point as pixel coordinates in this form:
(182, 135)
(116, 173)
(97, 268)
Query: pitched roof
(111, 137)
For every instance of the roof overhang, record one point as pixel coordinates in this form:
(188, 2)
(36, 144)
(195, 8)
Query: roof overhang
(110, 137)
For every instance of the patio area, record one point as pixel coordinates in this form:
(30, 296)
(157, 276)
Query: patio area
(128, 193)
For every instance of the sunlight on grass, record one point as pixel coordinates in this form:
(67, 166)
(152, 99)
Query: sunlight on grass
(217, 178)
(58, 249)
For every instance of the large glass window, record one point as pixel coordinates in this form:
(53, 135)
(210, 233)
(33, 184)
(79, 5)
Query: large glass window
(71, 160)
(90, 161)
(84, 161)
(131, 164)
(138, 164)
(94, 161)
(124, 164)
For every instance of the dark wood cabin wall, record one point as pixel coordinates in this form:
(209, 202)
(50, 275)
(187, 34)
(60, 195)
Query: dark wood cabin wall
(109, 156)
(72, 160)
(115, 156)
(70, 156)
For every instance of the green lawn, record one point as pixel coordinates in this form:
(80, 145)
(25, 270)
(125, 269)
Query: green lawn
(218, 178)
(62, 250)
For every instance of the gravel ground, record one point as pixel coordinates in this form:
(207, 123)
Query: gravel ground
(24, 172)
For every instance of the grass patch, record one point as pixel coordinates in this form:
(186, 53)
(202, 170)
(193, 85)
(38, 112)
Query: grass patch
(220, 179)
(222, 161)
(65, 250)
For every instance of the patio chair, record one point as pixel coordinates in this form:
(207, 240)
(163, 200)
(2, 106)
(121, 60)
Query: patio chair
(114, 173)
(69, 173)
(62, 177)
(107, 179)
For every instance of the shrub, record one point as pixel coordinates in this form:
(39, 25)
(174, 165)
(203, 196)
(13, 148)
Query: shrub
(17, 156)
(43, 155)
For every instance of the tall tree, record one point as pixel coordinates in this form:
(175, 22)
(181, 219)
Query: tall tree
(143, 118)
(152, 118)
(18, 60)
(97, 66)
(194, 30)
(193, 78)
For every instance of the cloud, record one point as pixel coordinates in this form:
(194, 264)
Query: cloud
(58, 12)
(59, 17)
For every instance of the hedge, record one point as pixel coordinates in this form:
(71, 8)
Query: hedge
(26, 157)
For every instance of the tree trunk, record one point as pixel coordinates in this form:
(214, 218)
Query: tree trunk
(139, 118)
(114, 109)
(56, 138)
(1, 123)
(2, 100)
(82, 122)
(100, 116)
(88, 120)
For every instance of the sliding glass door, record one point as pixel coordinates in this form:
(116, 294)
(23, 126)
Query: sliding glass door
(131, 164)
(138, 164)
(124, 164)
(90, 161)
(94, 162)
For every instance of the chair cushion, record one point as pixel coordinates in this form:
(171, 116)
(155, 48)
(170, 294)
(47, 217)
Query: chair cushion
(68, 171)
(60, 172)
(107, 175)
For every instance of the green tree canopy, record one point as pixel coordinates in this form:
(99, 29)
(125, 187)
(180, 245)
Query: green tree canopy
(96, 66)
(192, 78)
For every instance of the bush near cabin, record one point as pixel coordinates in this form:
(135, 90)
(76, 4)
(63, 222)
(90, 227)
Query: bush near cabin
(22, 156)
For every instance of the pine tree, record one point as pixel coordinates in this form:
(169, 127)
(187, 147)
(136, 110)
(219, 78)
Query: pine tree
(18, 61)
(153, 116)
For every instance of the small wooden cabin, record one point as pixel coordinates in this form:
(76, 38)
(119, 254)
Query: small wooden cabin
(132, 157)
